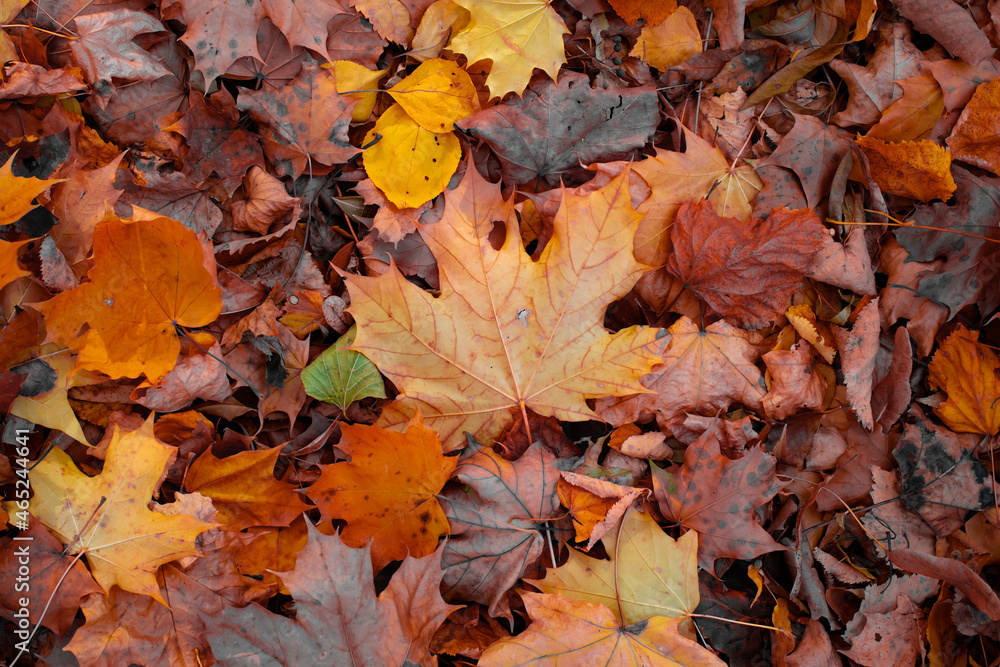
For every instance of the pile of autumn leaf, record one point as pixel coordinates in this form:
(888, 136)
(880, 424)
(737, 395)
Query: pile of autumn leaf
(339, 321)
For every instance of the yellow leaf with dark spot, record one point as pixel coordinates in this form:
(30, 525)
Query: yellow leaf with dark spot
(409, 164)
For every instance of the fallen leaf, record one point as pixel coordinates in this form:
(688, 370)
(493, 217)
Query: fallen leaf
(106, 517)
(669, 42)
(341, 376)
(940, 476)
(498, 520)
(917, 169)
(568, 632)
(243, 489)
(914, 115)
(702, 370)
(967, 371)
(19, 192)
(514, 333)
(147, 278)
(388, 492)
(718, 497)
(744, 270)
(409, 164)
(649, 573)
(516, 36)
(580, 124)
(304, 121)
(437, 95)
(338, 617)
(973, 140)
(858, 349)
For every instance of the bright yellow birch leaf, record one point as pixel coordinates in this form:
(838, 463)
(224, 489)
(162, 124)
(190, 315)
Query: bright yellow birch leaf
(409, 164)
(437, 95)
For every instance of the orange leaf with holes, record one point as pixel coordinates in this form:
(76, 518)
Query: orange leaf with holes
(387, 494)
(508, 333)
(148, 277)
(968, 371)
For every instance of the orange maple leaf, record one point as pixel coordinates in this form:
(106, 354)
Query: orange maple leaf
(147, 277)
(106, 517)
(388, 492)
(243, 489)
(508, 333)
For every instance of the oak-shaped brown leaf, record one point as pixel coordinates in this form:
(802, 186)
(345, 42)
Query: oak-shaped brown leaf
(507, 333)
(107, 518)
(968, 372)
(566, 632)
(303, 122)
(939, 474)
(148, 276)
(338, 619)
(702, 370)
(243, 489)
(718, 497)
(497, 520)
(387, 493)
(745, 270)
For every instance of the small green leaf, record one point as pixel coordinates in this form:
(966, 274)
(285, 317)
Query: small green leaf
(340, 376)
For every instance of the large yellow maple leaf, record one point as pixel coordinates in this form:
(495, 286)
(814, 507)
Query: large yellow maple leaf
(517, 35)
(508, 333)
(107, 517)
